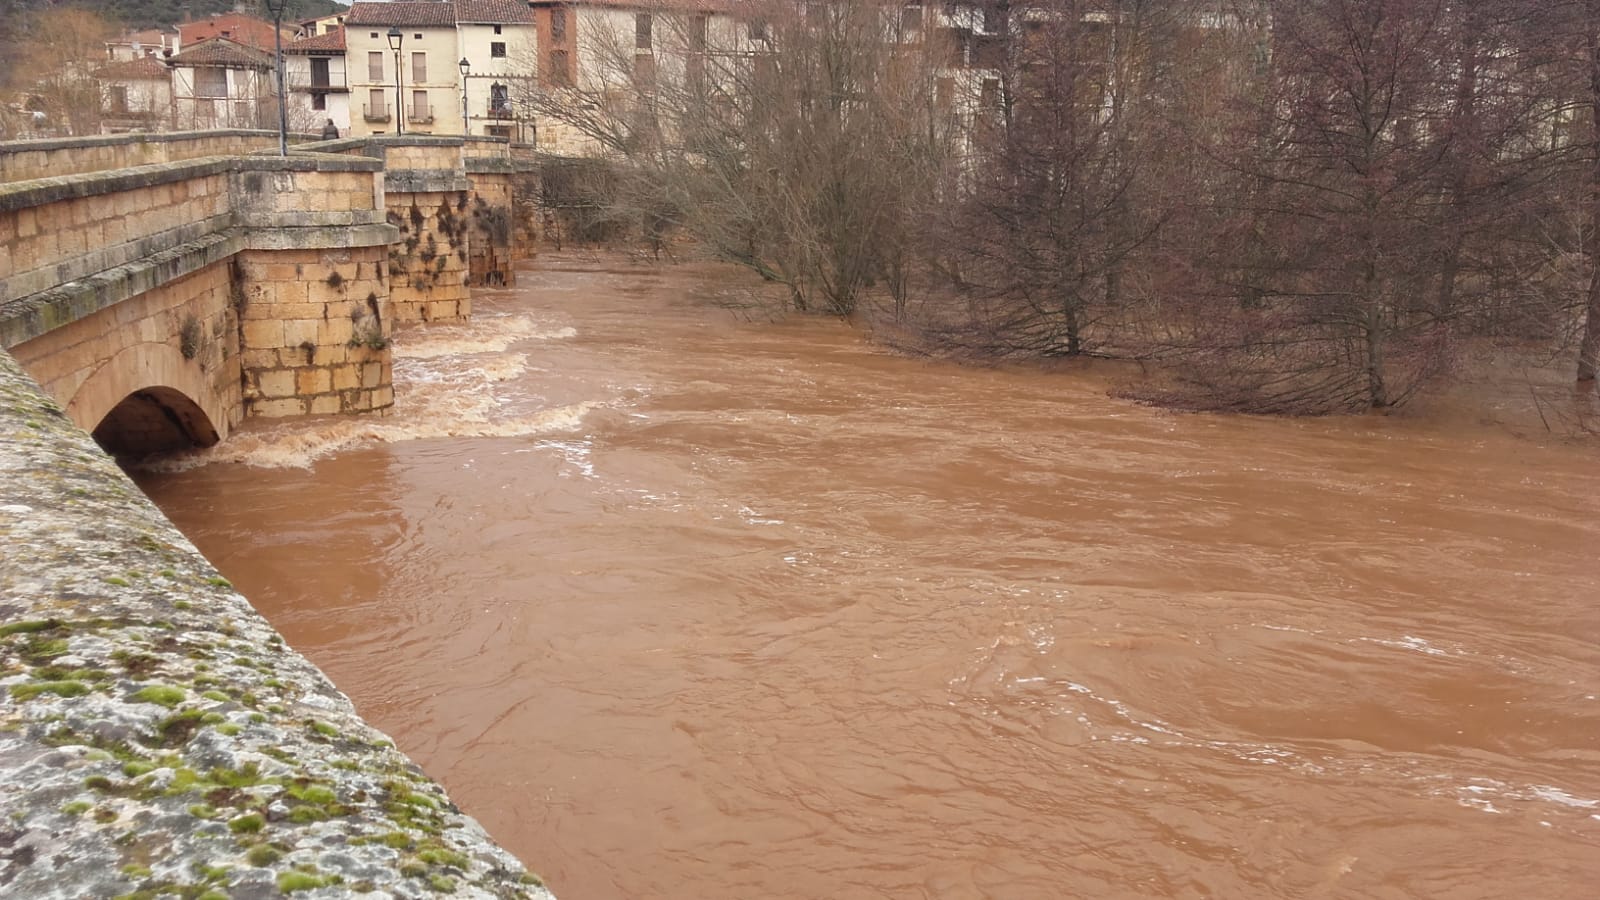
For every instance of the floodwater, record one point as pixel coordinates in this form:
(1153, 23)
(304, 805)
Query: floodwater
(683, 603)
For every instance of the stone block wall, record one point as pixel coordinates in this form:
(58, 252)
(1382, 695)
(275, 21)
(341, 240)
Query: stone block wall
(314, 329)
(55, 157)
(491, 218)
(55, 230)
(428, 265)
(183, 334)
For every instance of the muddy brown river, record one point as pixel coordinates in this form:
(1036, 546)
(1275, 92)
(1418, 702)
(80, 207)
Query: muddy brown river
(684, 603)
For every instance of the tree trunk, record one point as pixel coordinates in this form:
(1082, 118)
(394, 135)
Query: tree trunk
(1589, 349)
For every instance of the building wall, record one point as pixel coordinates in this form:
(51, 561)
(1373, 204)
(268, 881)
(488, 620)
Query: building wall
(444, 99)
(303, 114)
(248, 103)
(512, 70)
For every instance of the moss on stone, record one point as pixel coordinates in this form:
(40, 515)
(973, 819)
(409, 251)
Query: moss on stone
(290, 882)
(263, 855)
(165, 694)
(28, 626)
(31, 690)
(250, 823)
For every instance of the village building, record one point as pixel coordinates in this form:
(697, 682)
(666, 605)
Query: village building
(315, 73)
(403, 73)
(615, 49)
(136, 95)
(497, 53)
(156, 42)
(220, 83)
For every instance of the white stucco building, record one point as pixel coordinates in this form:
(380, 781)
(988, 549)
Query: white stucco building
(219, 83)
(314, 69)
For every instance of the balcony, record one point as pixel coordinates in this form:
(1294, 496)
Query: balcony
(375, 114)
(316, 86)
(423, 119)
(499, 112)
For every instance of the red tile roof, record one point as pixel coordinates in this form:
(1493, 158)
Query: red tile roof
(222, 52)
(239, 28)
(332, 42)
(411, 13)
(145, 67)
(699, 6)
(493, 12)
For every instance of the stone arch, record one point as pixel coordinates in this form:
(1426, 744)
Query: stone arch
(148, 398)
(154, 420)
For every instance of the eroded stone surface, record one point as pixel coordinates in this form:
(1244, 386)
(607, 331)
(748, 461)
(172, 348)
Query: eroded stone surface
(156, 734)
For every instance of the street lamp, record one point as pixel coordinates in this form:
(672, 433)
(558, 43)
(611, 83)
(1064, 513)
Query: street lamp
(276, 8)
(396, 39)
(466, 69)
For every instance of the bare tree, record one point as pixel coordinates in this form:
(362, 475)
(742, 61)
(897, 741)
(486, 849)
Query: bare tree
(797, 140)
(52, 65)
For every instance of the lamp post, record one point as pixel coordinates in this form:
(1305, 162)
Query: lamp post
(276, 8)
(396, 40)
(466, 69)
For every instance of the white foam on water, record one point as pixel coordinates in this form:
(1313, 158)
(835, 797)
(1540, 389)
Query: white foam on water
(485, 334)
(446, 385)
(301, 444)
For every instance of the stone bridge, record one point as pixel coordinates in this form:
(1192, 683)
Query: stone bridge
(164, 288)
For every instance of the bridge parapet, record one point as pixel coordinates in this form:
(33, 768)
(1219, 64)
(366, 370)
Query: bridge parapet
(159, 736)
(201, 276)
(55, 157)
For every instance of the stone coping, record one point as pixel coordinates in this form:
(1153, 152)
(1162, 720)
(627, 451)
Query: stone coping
(423, 181)
(489, 165)
(158, 736)
(19, 195)
(138, 137)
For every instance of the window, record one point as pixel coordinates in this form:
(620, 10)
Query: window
(944, 93)
(991, 19)
(319, 101)
(419, 67)
(119, 99)
(911, 18)
(697, 32)
(559, 71)
(497, 29)
(644, 72)
(375, 65)
(497, 50)
(499, 101)
(377, 105)
(319, 73)
(641, 31)
(210, 82)
(990, 98)
(373, 35)
(558, 24)
(417, 36)
(758, 29)
(419, 107)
